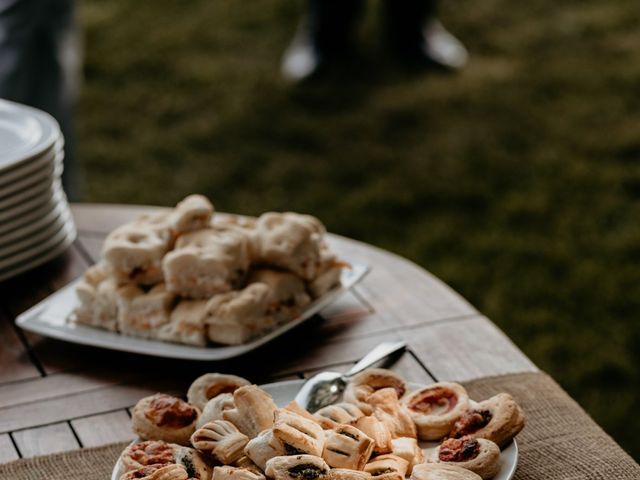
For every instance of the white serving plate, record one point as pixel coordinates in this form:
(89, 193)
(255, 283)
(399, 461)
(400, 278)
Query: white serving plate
(284, 392)
(50, 318)
(32, 202)
(34, 166)
(25, 133)
(35, 214)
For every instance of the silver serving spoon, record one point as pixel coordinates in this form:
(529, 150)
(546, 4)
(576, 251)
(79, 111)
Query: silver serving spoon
(326, 388)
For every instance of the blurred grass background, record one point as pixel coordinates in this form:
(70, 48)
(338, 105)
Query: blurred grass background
(516, 181)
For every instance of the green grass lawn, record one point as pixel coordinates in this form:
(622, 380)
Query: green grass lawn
(517, 182)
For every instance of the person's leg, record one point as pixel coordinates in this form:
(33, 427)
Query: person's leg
(415, 34)
(323, 36)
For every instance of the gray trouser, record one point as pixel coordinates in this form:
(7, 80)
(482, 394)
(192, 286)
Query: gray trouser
(39, 64)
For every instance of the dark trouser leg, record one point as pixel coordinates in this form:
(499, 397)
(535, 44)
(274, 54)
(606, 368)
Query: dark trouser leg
(404, 21)
(331, 24)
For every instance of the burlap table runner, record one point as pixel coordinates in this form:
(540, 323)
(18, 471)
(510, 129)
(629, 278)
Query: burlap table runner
(560, 441)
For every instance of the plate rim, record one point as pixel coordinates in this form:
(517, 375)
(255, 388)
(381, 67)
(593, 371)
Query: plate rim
(28, 320)
(117, 467)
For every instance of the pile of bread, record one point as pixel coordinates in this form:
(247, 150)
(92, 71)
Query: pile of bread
(229, 429)
(189, 276)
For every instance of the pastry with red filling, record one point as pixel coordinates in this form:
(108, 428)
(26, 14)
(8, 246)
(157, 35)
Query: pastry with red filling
(210, 385)
(435, 408)
(478, 455)
(365, 383)
(498, 419)
(163, 417)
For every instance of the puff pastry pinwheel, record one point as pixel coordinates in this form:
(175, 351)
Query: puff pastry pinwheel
(233, 318)
(298, 434)
(298, 467)
(98, 298)
(478, 455)
(210, 385)
(214, 408)
(387, 467)
(377, 431)
(367, 382)
(435, 408)
(255, 410)
(142, 312)
(347, 447)
(227, 472)
(263, 448)
(338, 414)
(388, 409)
(498, 419)
(164, 417)
(157, 472)
(290, 241)
(135, 250)
(442, 471)
(146, 453)
(347, 474)
(408, 448)
(192, 213)
(206, 262)
(221, 440)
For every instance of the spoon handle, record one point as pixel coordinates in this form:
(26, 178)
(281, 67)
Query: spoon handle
(378, 353)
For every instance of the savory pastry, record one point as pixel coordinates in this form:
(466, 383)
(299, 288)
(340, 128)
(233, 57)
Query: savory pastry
(263, 448)
(142, 312)
(498, 419)
(347, 447)
(157, 472)
(255, 411)
(196, 466)
(210, 385)
(227, 472)
(338, 414)
(163, 417)
(478, 455)
(298, 467)
(442, 471)
(376, 431)
(365, 383)
(298, 434)
(295, 407)
(98, 298)
(247, 463)
(214, 408)
(328, 274)
(134, 251)
(388, 409)
(149, 452)
(287, 293)
(206, 262)
(186, 324)
(192, 213)
(387, 467)
(290, 241)
(221, 440)
(235, 317)
(347, 474)
(408, 448)
(435, 408)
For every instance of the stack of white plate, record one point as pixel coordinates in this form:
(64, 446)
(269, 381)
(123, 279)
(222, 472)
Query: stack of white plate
(35, 222)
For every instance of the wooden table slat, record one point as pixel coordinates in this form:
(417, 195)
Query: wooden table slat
(44, 440)
(99, 430)
(15, 363)
(7, 451)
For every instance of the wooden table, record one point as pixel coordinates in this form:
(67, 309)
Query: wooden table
(57, 396)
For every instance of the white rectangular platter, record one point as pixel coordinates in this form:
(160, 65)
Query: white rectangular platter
(50, 318)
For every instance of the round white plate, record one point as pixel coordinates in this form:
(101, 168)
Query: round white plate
(46, 173)
(37, 199)
(40, 236)
(33, 167)
(43, 257)
(11, 262)
(33, 214)
(25, 133)
(50, 215)
(33, 190)
(284, 392)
